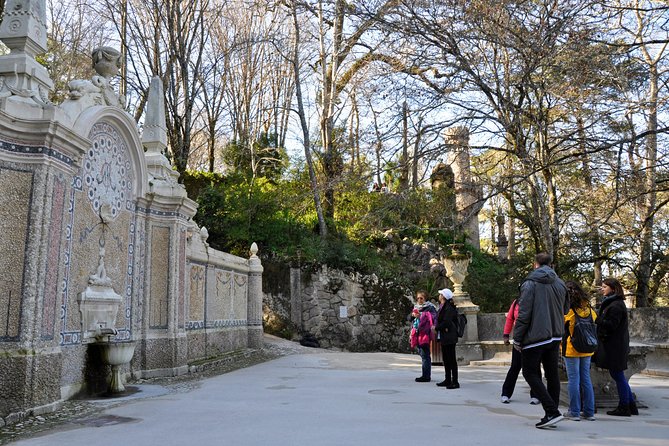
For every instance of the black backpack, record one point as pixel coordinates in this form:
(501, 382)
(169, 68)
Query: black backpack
(584, 337)
(461, 323)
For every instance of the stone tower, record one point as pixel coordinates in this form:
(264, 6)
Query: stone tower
(468, 198)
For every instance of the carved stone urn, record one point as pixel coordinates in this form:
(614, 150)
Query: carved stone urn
(456, 264)
(106, 61)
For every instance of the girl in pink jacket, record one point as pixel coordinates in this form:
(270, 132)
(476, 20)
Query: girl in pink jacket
(512, 375)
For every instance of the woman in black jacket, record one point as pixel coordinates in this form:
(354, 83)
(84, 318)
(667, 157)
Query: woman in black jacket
(447, 333)
(614, 344)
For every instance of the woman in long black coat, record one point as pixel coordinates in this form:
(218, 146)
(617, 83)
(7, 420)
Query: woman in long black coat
(614, 344)
(447, 330)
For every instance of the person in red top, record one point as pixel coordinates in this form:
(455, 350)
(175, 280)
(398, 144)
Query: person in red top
(512, 375)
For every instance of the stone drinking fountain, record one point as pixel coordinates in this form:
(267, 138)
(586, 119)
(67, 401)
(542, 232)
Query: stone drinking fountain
(99, 304)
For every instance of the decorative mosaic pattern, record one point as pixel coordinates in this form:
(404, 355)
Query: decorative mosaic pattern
(223, 304)
(68, 337)
(160, 255)
(166, 214)
(196, 294)
(53, 260)
(181, 299)
(107, 172)
(129, 274)
(48, 152)
(106, 176)
(15, 205)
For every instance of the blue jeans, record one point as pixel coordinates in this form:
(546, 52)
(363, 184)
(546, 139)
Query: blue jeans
(625, 395)
(424, 351)
(578, 374)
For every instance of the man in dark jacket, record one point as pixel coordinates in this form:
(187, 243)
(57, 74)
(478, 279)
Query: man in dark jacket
(538, 331)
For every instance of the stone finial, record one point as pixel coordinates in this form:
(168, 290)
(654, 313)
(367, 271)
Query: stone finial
(501, 235)
(162, 178)
(23, 27)
(254, 261)
(154, 135)
(22, 78)
(106, 61)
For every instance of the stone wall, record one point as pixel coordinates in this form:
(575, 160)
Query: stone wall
(336, 310)
(650, 325)
(646, 325)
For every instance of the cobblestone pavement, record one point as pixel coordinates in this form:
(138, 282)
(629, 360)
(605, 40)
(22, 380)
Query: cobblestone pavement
(77, 411)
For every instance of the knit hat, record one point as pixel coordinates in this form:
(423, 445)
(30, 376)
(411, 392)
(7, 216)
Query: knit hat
(448, 294)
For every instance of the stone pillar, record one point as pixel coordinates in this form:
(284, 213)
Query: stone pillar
(467, 193)
(254, 313)
(25, 80)
(296, 297)
(502, 243)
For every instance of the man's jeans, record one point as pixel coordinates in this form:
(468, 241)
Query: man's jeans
(533, 358)
(578, 374)
(424, 351)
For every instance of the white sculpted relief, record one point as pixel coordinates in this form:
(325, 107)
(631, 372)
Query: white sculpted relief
(106, 62)
(107, 173)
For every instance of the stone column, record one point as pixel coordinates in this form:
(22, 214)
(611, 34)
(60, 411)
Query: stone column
(296, 297)
(24, 80)
(467, 193)
(502, 243)
(254, 312)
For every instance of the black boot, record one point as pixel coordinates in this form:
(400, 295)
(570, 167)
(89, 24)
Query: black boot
(623, 410)
(455, 385)
(444, 383)
(633, 409)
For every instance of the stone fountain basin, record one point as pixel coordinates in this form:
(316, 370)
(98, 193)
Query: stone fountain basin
(116, 353)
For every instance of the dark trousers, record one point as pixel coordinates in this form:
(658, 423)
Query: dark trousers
(512, 375)
(625, 395)
(426, 361)
(532, 360)
(450, 363)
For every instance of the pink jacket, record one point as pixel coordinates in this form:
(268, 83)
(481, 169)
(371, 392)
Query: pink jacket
(511, 317)
(425, 328)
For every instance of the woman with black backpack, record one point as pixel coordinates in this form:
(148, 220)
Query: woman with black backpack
(447, 329)
(578, 362)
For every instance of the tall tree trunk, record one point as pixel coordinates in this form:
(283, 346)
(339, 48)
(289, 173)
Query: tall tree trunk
(416, 155)
(650, 201)
(322, 227)
(404, 158)
(591, 223)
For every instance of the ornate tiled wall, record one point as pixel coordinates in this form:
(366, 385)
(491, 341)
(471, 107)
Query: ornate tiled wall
(15, 203)
(159, 292)
(53, 262)
(181, 300)
(106, 176)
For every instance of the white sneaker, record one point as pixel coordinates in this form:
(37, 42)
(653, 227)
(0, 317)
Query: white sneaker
(534, 401)
(505, 399)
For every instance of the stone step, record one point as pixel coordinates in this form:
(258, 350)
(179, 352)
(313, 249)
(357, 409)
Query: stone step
(491, 362)
(656, 372)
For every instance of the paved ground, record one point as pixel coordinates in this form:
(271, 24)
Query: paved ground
(316, 397)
